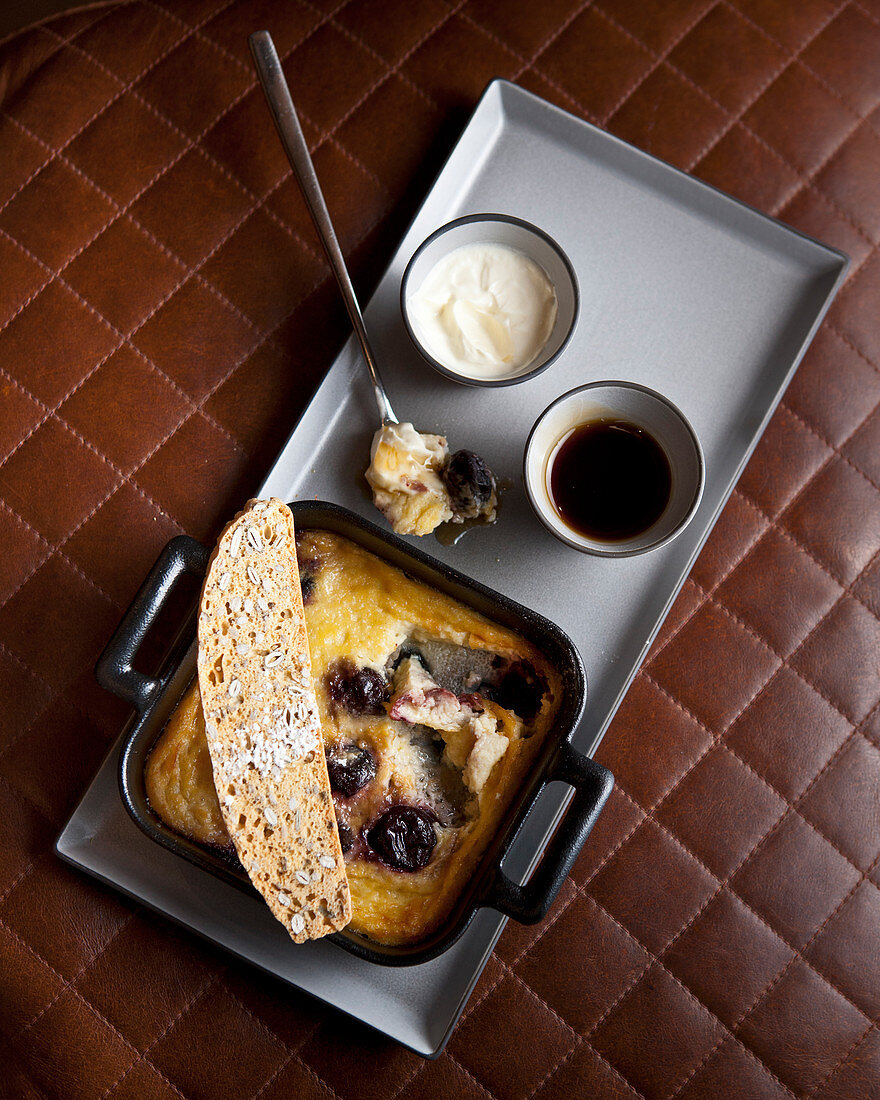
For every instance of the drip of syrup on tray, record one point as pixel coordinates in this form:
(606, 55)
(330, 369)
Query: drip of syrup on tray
(609, 480)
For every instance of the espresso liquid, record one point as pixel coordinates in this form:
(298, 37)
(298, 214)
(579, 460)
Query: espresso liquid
(610, 480)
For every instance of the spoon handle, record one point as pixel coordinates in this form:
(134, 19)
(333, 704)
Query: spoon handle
(289, 130)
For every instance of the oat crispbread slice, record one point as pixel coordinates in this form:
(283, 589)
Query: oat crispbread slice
(261, 717)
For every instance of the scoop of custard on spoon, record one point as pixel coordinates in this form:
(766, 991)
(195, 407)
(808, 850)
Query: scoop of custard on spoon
(416, 483)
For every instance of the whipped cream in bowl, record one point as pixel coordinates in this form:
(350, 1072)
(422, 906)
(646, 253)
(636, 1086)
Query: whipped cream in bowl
(489, 300)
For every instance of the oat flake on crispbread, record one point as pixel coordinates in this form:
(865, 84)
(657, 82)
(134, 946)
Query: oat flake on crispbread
(261, 718)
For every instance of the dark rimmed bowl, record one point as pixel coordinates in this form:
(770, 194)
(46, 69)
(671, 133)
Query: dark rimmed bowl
(155, 699)
(521, 236)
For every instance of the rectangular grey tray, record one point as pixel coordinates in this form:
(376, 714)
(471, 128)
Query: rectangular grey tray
(683, 289)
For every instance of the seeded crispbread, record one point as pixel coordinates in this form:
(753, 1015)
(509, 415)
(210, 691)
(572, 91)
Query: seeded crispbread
(261, 717)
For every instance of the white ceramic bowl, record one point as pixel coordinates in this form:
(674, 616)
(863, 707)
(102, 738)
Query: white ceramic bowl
(510, 232)
(646, 409)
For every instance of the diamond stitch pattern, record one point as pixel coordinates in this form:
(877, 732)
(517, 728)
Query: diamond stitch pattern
(165, 312)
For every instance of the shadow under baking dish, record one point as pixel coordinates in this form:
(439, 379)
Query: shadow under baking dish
(557, 760)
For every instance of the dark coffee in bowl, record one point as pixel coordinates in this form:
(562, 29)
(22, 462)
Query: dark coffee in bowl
(610, 480)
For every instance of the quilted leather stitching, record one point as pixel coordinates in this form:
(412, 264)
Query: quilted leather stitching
(711, 597)
(89, 1006)
(208, 985)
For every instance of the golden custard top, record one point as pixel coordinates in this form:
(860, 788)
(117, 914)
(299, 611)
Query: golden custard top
(432, 717)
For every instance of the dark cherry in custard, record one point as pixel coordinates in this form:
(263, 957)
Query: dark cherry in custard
(470, 484)
(403, 838)
(610, 480)
(360, 691)
(350, 768)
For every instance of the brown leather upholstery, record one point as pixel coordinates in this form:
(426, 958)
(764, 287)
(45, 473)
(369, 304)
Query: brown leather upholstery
(164, 313)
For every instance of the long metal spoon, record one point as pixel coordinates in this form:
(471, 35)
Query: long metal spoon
(289, 130)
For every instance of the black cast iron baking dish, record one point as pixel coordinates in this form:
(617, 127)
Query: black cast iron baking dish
(155, 699)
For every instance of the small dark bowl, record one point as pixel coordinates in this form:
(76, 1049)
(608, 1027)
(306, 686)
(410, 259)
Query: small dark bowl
(521, 236)
(155, 700)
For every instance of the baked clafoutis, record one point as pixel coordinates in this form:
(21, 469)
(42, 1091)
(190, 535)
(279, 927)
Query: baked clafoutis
(432, 719)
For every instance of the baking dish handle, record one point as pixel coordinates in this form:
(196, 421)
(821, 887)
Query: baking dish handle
(114, 670)
(592, 784)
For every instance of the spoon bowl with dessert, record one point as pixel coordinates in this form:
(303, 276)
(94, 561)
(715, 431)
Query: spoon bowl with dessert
(417, 483)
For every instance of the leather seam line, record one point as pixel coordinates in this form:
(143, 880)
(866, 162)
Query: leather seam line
(193, 144)
(792, 808)
(808, 178)
(737, 116)
(468, 1074)
(26, 795)
(784, 661)
(791, 804)
(557, 911)
(393, 70)
(275, 1038)
(52, 694)
(655, 960)
(860, 7)
(844, 1059)
(191, 274)
(780, 519)
(844, 339)
(125, 86)
(784, 531)
(4, 648)
(123, 341)
(295, 1054)
(91, 1008)
(653, 653)
(89, 581)
(69, 982)
(806, 962)
(190, 144)
(101, 9)
(23, 874)
(660, 57)
(579, 888)
(61, 41)
(725, 883)
(526, 63)
(819, 435)
(733, 115)
(585, 1038)
(352, 37)
(260, 202)
(846, 590)
(576, 1036)
(199, 411)
(193, 1000)
(164, 248)
(798, 57)
(324, 19)
(126, 478)
(730, 1033)
(470, 1009)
